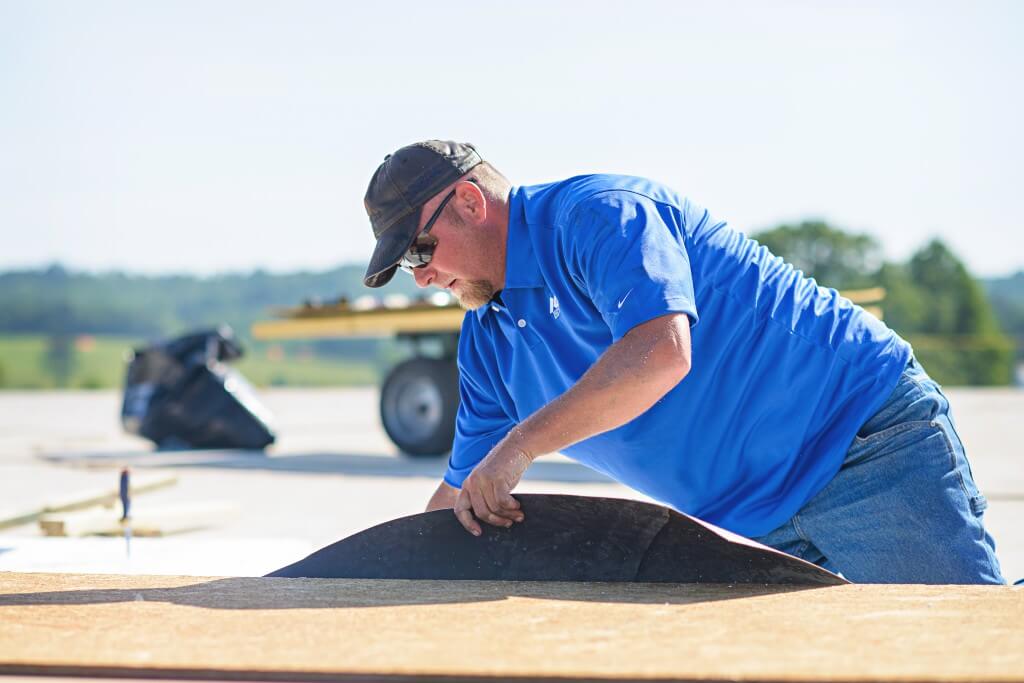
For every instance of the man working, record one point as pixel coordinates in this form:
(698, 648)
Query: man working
(615, 321)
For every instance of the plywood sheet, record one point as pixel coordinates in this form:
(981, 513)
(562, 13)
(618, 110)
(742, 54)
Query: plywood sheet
(274, 629)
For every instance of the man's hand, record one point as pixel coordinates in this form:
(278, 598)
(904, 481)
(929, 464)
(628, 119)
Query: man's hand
(487, 492)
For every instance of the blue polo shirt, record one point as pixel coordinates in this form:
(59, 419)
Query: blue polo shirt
(783, 372)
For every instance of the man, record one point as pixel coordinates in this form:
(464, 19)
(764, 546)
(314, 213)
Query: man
(615, 321)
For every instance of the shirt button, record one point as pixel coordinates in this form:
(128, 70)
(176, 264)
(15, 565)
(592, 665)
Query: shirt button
(521, 323)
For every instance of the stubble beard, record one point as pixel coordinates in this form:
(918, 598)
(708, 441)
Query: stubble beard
(473, 294)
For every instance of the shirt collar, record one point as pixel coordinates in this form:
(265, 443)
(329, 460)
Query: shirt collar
(521, 267)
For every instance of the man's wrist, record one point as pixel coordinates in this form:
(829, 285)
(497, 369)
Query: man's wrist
(518, 441)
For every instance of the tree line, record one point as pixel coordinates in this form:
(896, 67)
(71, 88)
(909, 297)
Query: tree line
(963, 330)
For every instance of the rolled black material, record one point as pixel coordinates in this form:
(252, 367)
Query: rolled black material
(182, 394)
(563, 538)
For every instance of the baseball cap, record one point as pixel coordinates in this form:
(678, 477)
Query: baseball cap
(398, 190)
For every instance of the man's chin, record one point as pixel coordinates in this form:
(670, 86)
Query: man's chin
(473, 294)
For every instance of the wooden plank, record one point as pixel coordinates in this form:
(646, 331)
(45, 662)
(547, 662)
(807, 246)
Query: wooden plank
(12, 517)
(345, 629)
(110, 495)
(146, 521)
(369, 307)
(384, 322)
(81, 500)
(872, 295)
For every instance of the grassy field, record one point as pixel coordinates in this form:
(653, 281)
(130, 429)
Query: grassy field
(86, 362)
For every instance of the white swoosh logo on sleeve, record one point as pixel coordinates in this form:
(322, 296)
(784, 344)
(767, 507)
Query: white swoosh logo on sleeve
(623, 299)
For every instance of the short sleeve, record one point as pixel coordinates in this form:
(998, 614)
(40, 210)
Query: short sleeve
(629, 253)
(481, 422)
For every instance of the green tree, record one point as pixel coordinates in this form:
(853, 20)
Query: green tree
(831, 256)
(956, 334)
(1007, 297)
(905, 304)
(957, 302)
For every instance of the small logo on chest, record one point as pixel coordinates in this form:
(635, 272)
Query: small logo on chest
(553, 307)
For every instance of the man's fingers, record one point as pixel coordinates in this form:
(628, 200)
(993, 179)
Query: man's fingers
(473, 503)
(497, 512)
(465, 518)
(465, 515)
(509, 502)
(484, 511)
(510, 507)
(485, 502)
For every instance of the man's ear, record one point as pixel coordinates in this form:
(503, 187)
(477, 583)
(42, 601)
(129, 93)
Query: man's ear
(471, 202)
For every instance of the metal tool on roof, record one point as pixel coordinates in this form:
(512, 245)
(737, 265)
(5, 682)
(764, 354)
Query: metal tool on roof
(126, 510)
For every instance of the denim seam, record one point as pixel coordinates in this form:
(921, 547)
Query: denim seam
(951, 450)
(922, 387)
(952, 462)
(800, 532)
(956, 432)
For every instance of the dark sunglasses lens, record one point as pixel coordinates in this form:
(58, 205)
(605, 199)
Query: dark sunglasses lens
(419, 254)
(421, 251)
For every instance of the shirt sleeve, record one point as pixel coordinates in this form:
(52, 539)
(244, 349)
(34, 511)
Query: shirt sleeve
(481, 422)
(629, 253)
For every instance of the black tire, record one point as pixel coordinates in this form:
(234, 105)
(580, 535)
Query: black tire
(418, 403)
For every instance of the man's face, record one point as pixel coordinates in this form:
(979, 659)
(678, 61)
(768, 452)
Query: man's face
(461, 262)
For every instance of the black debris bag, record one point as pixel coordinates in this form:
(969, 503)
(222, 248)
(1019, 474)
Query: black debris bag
(182, 394)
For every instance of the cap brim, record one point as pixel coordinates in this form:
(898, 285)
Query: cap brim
(391, 247)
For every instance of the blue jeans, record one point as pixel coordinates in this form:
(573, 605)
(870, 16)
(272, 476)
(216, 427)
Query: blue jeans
(904, 507)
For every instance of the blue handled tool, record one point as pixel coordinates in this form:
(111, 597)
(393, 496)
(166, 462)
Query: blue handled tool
(126, 508)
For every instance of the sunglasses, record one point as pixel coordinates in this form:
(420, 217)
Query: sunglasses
(422, 248)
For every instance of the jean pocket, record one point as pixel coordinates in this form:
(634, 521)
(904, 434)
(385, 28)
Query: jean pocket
(869, 438)
(891, 440)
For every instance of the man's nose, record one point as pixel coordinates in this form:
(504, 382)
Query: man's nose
(423, 276)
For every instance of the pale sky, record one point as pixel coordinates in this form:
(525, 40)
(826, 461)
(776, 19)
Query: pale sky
(208, 136)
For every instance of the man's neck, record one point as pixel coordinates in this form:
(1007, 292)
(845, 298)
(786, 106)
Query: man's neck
(501, 214)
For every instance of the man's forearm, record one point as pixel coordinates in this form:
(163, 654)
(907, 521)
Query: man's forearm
(629, 378)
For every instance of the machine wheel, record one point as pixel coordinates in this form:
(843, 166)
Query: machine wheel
(418, 404)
